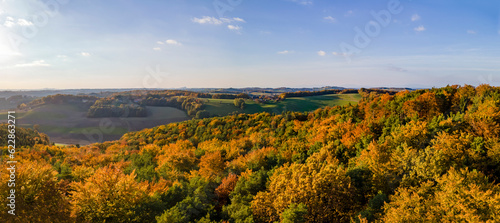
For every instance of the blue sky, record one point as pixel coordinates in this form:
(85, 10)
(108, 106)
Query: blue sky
(248, 43)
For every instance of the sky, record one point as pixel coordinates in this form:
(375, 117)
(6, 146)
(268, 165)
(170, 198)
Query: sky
(66, 44)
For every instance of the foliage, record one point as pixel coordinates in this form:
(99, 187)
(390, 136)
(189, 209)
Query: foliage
(39, 196)
(107, 196)
(427, 155)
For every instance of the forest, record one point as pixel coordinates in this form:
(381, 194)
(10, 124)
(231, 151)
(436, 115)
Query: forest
(429, 155)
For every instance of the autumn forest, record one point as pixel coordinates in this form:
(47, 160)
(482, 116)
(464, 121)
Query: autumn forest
(427, 155)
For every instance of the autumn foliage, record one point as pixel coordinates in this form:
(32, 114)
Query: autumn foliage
(414, 156)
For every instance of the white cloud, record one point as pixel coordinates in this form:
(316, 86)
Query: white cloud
(216, 21)
(471, 32)
(238, 19)
(11, 22)
(349, 13)
(85, 54)
(339, 54)
(36, 63)
(23, 22)
(285, 52)
(420, 28)
(303, 2)
(321, 53)
(207, 20)
(330, 19)
(173, 42)
(160, 42)
(232, 27)
(415, 17)
(157, 49)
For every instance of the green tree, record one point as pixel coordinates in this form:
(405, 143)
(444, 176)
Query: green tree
(294, 214)
(239, 103)
(202, 114)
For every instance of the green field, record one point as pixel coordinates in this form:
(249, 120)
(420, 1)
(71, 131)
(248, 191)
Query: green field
(222, 107)
(68, 124)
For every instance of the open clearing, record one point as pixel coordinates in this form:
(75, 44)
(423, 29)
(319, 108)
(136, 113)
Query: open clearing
(222, 107)
(68, 124)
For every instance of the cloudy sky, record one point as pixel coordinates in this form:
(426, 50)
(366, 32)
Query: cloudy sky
(246, 43)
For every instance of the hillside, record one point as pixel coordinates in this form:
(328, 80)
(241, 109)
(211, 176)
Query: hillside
(428, 154)
(69, 119)
(223, 107)
(68, 123)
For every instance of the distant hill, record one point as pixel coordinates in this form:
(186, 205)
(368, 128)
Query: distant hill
(84, 119)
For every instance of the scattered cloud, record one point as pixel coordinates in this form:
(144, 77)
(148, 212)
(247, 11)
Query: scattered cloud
(285, 52)
(415, 17)
(349, 13)
(395, 68)
(471, 32)
(233, 27)
(420, 28)
(321, 53)
(85, 54)
(23, 22)
(330, 19)
(339, 54)
(160, 42)
(11, 22)
(36, 63)
(238, 19)
(157, 49)
(207, 20)
(302, 2)
(216, 21)
(173, 42)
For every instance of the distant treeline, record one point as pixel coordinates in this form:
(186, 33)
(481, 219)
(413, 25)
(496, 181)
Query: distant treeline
(64, 98)
(189, 104)
(162, 93)
(333, 91)
(133, 104)
(230, 96)
(117, 111)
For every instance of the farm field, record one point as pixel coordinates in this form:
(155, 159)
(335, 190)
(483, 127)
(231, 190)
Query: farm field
(68, 124)
(222, 107)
